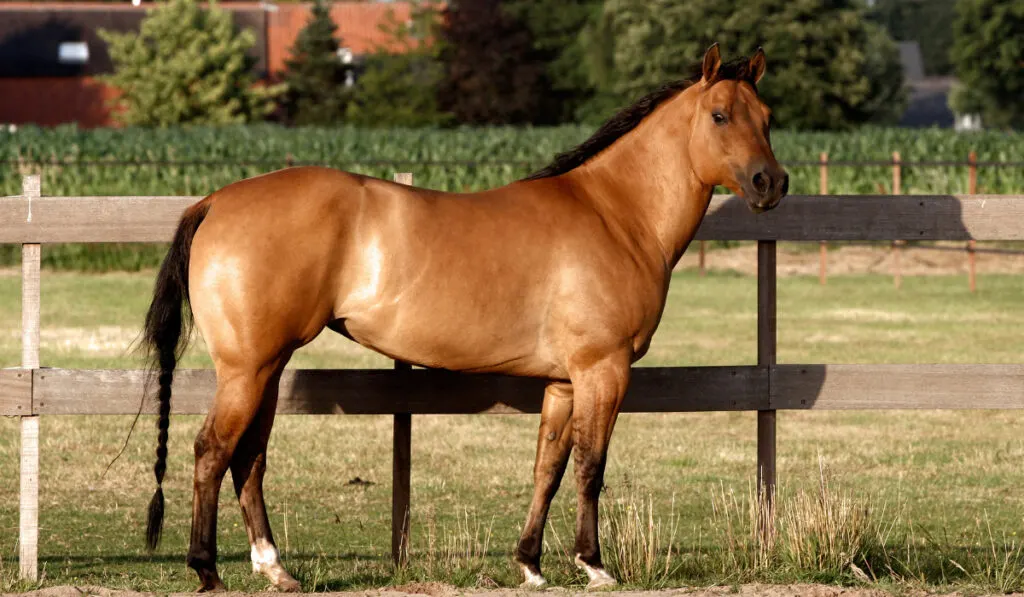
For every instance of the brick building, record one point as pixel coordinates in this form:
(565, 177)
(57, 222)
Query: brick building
(50, 53)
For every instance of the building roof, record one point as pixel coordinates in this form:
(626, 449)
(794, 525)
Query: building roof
(31, 33)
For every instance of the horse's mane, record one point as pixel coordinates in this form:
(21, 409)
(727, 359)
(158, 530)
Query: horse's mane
(629, 118)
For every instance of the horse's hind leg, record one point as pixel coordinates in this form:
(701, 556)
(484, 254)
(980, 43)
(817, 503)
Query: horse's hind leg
(240, 393)
(554, 442)
(247, 468)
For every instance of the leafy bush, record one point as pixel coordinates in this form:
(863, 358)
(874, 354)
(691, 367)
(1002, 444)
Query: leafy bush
(186, 65)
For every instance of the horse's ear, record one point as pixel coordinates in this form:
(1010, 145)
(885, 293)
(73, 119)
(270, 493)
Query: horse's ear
(755, 70)
(712, 60)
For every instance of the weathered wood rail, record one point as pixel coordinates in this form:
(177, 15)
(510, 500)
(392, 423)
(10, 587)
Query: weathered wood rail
(31, 391)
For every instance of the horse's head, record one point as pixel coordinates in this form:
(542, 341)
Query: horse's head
(730, 143)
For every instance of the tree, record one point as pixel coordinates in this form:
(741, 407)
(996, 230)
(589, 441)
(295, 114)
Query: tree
(828, 67)
(555, 28)
(315, 75)
(397, 84)
(988, 53)
(928, 22)
(186, 65)
(492, 73)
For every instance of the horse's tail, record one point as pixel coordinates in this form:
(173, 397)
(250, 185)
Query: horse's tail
(167, 329)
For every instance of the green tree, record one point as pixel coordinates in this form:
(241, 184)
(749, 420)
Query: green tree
(492, 73)
(186, 65)
(828, 67)
(314, 74)
(928, 22)
(988, 53)
(397, 84)
(555, 27)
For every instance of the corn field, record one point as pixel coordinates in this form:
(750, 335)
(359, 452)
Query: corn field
(196, 161)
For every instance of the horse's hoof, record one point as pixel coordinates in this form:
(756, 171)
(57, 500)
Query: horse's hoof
(602, 581)
(534, 581)
(215, 587)
(599, 579)
(289, 586)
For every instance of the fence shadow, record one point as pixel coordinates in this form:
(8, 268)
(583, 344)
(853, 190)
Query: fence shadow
(843, 218)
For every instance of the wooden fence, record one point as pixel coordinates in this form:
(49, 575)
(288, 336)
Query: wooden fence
(970, 249)
(31, 391)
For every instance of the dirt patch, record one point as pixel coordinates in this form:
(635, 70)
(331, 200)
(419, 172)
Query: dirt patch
(434, 589)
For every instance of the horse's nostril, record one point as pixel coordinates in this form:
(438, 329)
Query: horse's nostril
(762, 182)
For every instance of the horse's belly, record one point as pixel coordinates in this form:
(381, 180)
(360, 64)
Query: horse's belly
(454, 340)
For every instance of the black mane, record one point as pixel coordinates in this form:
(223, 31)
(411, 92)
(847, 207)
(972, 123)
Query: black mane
(628, 118)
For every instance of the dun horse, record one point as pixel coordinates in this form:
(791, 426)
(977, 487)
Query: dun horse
(561, 276)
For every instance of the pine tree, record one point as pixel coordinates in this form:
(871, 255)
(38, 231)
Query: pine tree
(186, 65)
(397, 83)
(315, 76)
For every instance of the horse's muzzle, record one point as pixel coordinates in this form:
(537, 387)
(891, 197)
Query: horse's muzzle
(766, 188)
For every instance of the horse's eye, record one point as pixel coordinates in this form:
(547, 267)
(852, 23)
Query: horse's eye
(718, 117)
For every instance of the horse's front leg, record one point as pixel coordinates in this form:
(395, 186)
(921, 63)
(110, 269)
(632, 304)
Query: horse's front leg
(554, 442)
(598, 391)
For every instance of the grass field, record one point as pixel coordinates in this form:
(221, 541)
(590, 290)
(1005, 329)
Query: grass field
(910, 498)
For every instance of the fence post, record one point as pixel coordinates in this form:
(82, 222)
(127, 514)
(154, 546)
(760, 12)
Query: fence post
(823, 247)
(28, 517)
(702, 258)
(766, 341)
(972, 188)
(897, 187)
(401, 465)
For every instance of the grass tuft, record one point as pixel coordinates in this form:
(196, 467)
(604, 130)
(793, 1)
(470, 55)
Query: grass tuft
(639, 546)
(823, 531)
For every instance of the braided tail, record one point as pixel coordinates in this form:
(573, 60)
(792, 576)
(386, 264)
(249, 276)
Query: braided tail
(167, 329)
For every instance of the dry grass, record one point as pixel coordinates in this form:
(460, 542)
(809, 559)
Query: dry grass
(932, 497)
(823, 531)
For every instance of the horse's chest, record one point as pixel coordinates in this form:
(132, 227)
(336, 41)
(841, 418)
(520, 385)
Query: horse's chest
(614, 307)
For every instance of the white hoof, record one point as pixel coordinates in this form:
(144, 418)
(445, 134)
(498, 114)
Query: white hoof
(266, 561)
(601, 582)
(599, 579)
(533, 580)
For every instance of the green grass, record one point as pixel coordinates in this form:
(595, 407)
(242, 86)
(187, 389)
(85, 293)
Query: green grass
(940, 490)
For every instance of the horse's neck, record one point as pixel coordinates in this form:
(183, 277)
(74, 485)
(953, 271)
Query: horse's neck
(644, 181)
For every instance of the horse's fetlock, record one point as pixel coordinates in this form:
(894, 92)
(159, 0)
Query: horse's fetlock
(200, 559)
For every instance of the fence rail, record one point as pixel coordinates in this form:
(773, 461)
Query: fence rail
(799, 218)
(32, 390)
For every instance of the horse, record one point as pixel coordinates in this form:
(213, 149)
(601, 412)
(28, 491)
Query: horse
(562, 276)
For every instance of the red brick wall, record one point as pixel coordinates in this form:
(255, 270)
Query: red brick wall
(358, 27)
(50, 100)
